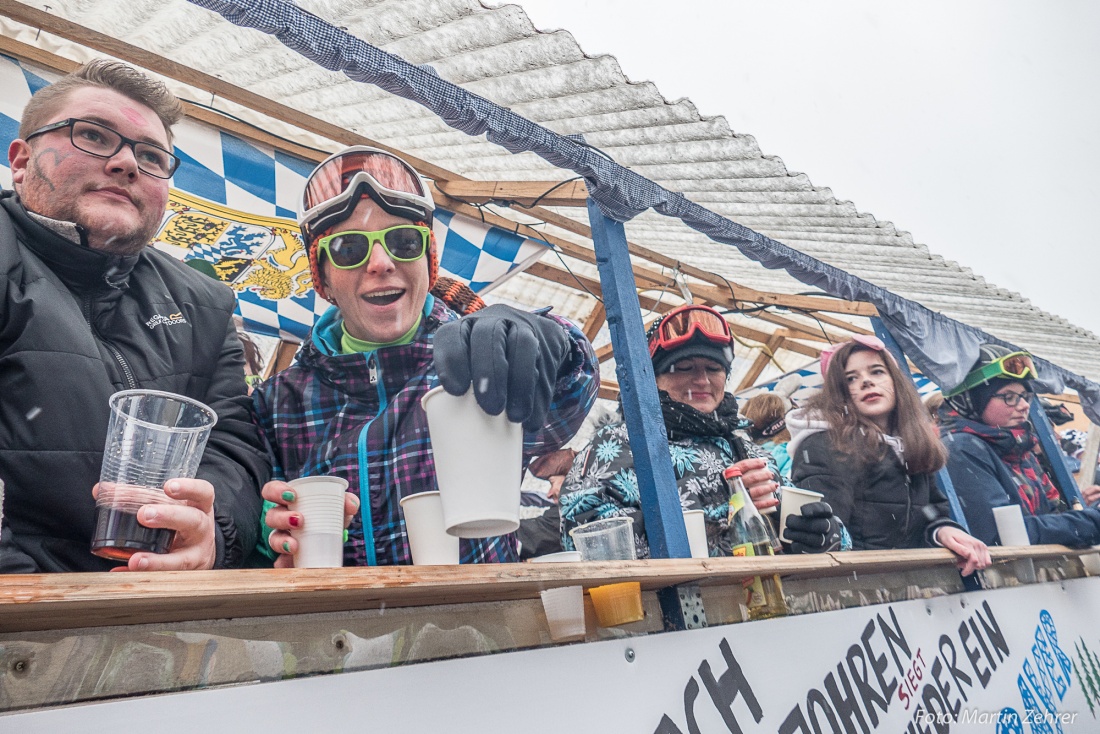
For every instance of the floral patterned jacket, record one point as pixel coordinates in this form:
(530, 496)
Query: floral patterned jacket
(602, 483)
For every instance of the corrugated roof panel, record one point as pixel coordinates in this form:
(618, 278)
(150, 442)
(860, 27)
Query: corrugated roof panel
(546, 77)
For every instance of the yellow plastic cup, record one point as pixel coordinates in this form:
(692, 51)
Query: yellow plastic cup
(617, 604)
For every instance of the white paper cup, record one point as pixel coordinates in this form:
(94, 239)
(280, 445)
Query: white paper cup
(429, 542)
(320, 502)
(478, 464)
(559, 557)
(610, 539)
(791, 504)
(564, 608)
(696, 523)
(1010, 525)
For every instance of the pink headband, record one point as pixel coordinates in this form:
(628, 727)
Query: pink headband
(866, 340)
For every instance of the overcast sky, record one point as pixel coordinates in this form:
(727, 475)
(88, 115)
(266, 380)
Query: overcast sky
(973, 125)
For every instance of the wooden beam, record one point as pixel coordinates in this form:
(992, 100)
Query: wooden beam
(523, 193)
(54, 601)
(767, 353)
(595, 320)
(609, 390)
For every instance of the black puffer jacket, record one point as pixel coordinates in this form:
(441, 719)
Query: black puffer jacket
(77, 325)
(883, 507)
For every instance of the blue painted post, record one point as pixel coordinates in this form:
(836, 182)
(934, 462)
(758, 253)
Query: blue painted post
(942, 477)
(664, 519)
(1063, 477)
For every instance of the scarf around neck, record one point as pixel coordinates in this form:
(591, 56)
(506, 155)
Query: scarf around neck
(683, 421)
(1018, 448)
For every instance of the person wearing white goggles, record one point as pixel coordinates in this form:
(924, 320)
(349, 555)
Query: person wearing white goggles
(350, 405)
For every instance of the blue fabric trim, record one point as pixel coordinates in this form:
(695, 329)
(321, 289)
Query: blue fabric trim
(941, 347)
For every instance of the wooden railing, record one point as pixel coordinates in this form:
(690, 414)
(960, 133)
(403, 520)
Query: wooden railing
(62, 601)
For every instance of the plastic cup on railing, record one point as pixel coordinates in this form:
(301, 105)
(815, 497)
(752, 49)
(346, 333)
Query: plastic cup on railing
(1010, 525)
(617, 604)
(791, 503)
(610, 539)
(564, 608)
(152, 437)
(478, 463)
(429, 541)
(559, 557)
(320, 502)
(696, 523)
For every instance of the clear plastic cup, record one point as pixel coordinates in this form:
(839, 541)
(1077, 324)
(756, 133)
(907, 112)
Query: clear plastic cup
(429, 541)
(564, 608)
(320, 502)
(791, 504)
(610, 539)
(478, 464)
(696, 523)
(152, 437)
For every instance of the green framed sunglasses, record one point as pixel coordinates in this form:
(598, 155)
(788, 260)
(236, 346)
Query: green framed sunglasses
(350, 249)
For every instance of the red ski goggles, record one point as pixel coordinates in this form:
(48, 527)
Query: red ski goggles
(683, 324)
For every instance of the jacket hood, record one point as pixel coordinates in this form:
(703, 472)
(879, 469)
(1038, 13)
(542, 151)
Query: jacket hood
(803, 424)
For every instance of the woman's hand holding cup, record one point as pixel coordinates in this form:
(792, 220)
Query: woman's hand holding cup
(281, 519)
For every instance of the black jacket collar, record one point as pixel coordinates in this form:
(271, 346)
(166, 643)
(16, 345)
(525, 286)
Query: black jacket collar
(75, 263)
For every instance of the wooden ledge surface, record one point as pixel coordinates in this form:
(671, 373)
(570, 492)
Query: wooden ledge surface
(63, 601)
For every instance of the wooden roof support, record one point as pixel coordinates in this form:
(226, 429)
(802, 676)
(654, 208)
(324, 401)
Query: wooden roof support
(595, 321)
(524, 193)
(161, 65)
(591, 285)
(767, 354)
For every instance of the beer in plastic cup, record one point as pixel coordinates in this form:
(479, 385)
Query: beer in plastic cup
(152, 437)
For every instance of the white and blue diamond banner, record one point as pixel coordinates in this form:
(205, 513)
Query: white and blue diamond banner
(232, 207)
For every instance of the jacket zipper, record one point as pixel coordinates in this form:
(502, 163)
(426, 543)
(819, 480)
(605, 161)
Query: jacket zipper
(365, 512)
(127, 373)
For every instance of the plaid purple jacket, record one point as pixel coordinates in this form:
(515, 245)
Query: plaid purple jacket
(358, 416)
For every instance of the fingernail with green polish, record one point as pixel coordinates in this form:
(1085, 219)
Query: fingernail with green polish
(286, 546)
(345, 536)
(288, 496)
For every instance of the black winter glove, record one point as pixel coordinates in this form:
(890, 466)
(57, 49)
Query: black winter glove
(511, 357)
(816, 530)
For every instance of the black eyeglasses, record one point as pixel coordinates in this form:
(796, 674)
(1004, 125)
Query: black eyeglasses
(103, 142)
(1011, 399)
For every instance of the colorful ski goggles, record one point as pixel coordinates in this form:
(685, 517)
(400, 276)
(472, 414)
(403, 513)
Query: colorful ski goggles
(680, 325)
(1014, 366)
(351, 249)
(338, 184)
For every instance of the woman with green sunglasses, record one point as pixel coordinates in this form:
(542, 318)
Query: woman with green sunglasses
(994, 459)
(350, 404)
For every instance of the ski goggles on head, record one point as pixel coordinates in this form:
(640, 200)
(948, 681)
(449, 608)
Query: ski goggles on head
(350, 249)
(1014, 366)
(680, 325)
(338, 184)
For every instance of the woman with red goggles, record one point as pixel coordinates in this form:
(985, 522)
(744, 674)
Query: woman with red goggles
(692, 352)
(994, 457)
(867, 443)
(350, 404)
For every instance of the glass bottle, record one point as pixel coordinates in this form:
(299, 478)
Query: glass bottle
(750, 535)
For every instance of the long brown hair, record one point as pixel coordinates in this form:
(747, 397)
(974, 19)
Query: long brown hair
(857, 436)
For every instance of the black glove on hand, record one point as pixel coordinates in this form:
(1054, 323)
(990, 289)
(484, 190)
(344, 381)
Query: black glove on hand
(817, 530)
(511, 357)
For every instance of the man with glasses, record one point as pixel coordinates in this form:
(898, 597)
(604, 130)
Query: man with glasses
(994, 459)
(350, 404)
(88, 309)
